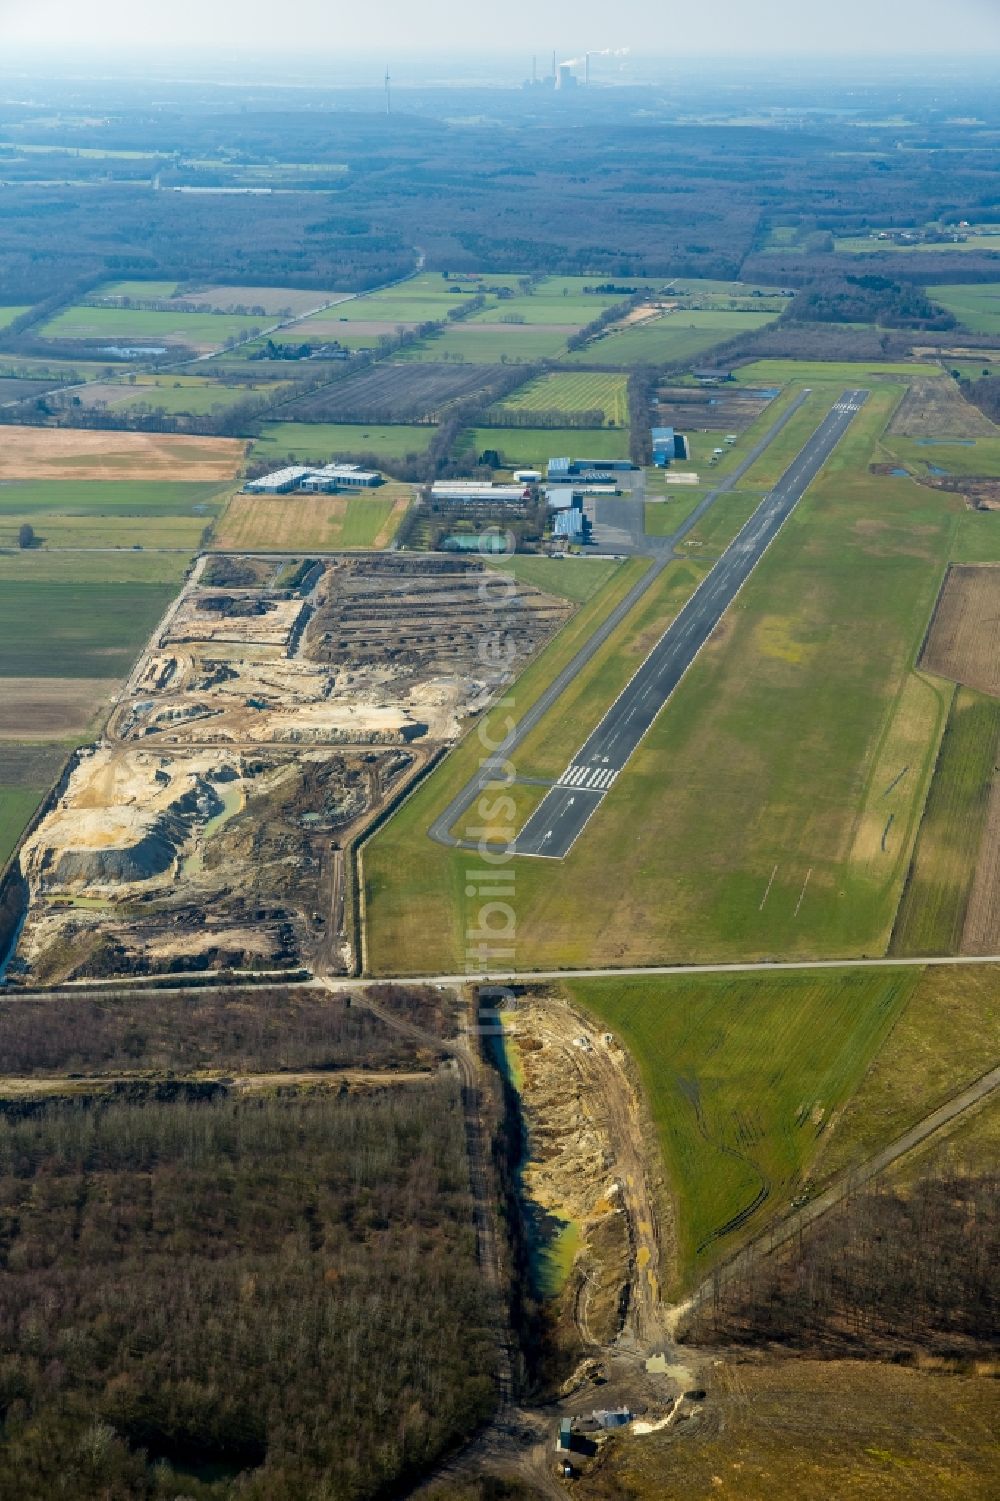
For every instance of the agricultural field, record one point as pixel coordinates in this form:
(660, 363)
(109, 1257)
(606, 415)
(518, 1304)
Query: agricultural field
(8, 314)
(35, 710)
(489, 344)
(322, 442)
(561, 391)
(935, 904)
(39, 453)
(670, 339)
(800, 1429)
(321, 523)
(534, 446)
(742, 1074)
(945, 1036)
(962, 643)
(977, 307)
(391, 393)
(121, 327)
(272, 302)
(17, 804)
(938, 407)
(71, 629)
(176, 394)
(37, 499)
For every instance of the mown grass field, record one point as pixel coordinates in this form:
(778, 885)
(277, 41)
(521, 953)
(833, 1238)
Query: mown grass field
(946, 1035)
(975, 305)
(73, 629)
(326, 441)
(561, 391)
(932, 912)
(123, 565)
(489, 344)
(127, 325)
(742, 1073)
(534, 446)
(115, 498)
(16, 806)
(848, 374)
(577, 579)
(682, 335)
(54, 531)
(303, 522)
(740, 828)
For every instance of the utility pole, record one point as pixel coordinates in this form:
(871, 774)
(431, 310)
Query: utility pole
(388, 93)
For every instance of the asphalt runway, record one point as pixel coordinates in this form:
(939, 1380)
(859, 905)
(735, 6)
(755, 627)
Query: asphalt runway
(560, 818)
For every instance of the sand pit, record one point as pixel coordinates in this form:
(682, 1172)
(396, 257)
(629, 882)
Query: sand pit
(43, 453)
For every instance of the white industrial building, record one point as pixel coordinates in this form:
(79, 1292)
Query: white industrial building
(328, 479)
(281, 482)
(478, 490)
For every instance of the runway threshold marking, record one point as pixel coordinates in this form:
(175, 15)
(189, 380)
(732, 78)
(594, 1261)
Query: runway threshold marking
(739, 561)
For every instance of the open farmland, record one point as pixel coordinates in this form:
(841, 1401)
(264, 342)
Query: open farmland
(534, 446)
(964, 640)
(742, 1074)
(937, 407)
(39, 453)
(800, 1429)
(41, 708)
(17, 804)
(8, 314)
(322, 523)
(74, 629)
(203, 332)
(490, 343)
(392, 393)
(177, 395)
(946, 1036)
(976, 306)
(272, 302)
(669, 339)
(935, 902)
(564, 392)
(322, 442)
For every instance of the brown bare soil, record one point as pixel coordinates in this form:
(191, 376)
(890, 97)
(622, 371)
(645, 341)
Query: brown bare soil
(332, 327)
(274, 300)
(981, 934)
(43, 453)
(964, 640)
(938, 407)
(51, 708)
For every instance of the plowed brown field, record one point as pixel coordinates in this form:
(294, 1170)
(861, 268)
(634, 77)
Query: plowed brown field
(964, 640)
(43, 453)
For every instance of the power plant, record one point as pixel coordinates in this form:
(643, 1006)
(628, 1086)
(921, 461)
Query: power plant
(563, 77)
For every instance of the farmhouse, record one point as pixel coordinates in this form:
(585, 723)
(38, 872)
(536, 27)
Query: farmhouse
(329, 479)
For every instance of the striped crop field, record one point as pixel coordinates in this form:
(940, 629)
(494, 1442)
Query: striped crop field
(583, 391)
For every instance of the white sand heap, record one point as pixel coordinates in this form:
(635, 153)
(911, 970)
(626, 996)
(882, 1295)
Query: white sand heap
(125, 817)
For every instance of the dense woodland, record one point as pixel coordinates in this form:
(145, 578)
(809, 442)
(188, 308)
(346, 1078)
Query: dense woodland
(265, 1297)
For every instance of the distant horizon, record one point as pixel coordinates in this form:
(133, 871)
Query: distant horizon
(861, 29)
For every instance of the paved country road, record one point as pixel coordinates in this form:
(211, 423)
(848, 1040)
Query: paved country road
(563, 813)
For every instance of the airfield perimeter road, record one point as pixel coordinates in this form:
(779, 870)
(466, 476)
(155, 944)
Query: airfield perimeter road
(662, 549)
(557, 822)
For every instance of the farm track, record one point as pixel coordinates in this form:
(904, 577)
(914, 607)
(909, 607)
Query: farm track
(779, 1235)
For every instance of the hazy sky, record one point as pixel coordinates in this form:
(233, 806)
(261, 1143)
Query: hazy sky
(649, 27)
